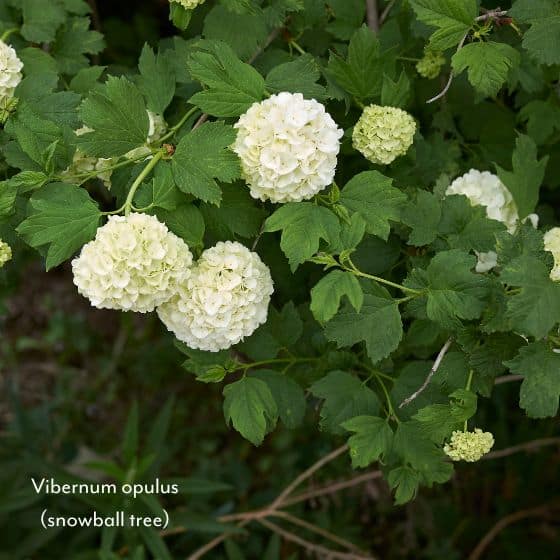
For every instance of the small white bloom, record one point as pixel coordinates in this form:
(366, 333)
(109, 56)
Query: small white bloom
(288, 147)
(552, 244)
(224, 300)
(134, 264)
(189, 4)
(486, 261)
(382, 134)
(469, 446)
(10, 70)
(5, 253)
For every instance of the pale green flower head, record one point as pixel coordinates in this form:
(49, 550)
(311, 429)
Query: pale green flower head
(431, 64)
(552, 244)
(469, 446)
(382, 134)
(189, 4)
(5, 253)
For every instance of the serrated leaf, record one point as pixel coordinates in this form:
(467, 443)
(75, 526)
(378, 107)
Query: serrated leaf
(117, 114)
(527, 176)
(371, 195)
(395, 94)
(41, 19)
(345, 397)
(542, 40)
(86, 79)
(233, 86)
(423, 216)
(327, 294)
(161, 192)
(251, 408)
(378, 324)
(536, 309)
(454, 292)
(201, 157)
(62, 216)
(361, 73)
(540, 390)
(372, 439)
(157, 79)
(453, 18)
(288, 395)
(298, 76)
(487, 64)
(303, 225)
(405, 481)
(186, 221)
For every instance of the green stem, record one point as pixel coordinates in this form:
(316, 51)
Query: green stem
(290, 361)
(408, 58)
(390, 408)
(6, 35)
(352, 268)
(177, 126)
(468, 388)
(144, 173)
(297, 47)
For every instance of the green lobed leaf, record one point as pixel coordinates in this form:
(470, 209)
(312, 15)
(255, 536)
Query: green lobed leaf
(371, 195)
(372, 439)
(345, 397)
(298, 76)
(250, 406)
(233, 86)
(378, 324)
(539, 365)
(201, 157)
(327, 294)
(63, 217)
(303, 225)
(527, 176)
(117, 114)
(157, 79)
(423, 216)
(41, 19)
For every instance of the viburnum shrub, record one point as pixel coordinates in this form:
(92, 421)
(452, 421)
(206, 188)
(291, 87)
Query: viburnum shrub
(321, 223)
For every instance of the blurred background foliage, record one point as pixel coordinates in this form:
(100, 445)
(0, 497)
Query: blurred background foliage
(90, 394)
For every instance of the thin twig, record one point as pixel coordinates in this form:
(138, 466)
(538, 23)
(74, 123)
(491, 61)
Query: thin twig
(386, 12)
(332, 488)
(507, 379)
(199, 553)
(279, 501)
(311, 547)
(435, 367)
(480, 548)
(450, 79)
(372, 15)
(318, 530)
(527, 446)
(492, 14)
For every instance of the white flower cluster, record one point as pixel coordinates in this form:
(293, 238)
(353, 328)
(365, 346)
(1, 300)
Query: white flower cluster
(483, 188)
(469, 446)
(224, 300)
(10, 70)
(189, 4)
(382, 134)
(134, 264)
(552, 244)
(288, 147)
(5, 253)
(81, 163)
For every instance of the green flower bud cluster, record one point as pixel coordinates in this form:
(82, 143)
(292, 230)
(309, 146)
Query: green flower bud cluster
(383, 133)
(431, 64)
(469, 446)
(5, 253)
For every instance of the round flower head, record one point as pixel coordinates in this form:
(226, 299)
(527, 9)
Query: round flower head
(189, 4)
(5, 253)
(552, 244)
(10, 70)
(382, 134)
(224, 300)
(469, 446)
(288, 147)
(134, 264)
(431, 64)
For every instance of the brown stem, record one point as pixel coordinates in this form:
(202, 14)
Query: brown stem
(386, 12)
(481, 547)
(435, 367)
(527, 446)
(311, 547)
(507, 379)
(372, 15)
